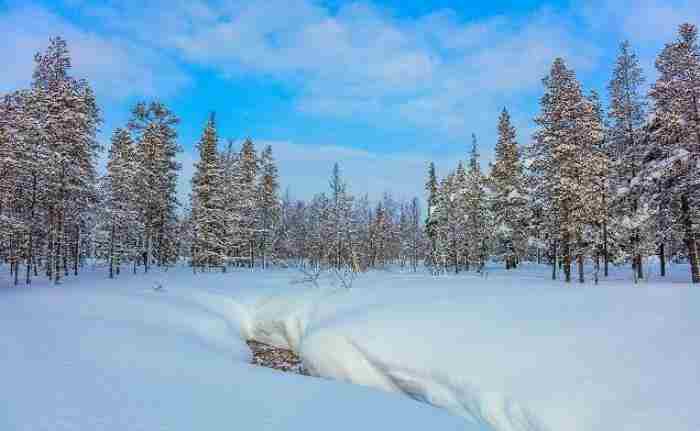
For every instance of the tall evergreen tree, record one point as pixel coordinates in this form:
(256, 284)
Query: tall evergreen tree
(431, 222)
(509, 195)
(269, 202)
(674, 152)
(208, 218)
(478, 221)
(626, 135)
(70, 120)
(563, 162)
(157, 170)
(119, 201)
(248, 169)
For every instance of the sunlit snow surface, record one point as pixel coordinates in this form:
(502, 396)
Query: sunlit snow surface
(510, 352)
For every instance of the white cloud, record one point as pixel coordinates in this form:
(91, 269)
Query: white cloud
(116, 69)
(306, 169)
(437, 72)
(361, 62)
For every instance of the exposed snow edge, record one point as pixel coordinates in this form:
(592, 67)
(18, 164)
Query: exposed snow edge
(291, 322)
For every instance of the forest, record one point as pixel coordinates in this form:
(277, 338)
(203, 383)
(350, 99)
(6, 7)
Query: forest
(597, 184)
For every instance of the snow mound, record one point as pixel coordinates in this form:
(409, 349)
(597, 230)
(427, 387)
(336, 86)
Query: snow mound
(507, 355)
(118, 355)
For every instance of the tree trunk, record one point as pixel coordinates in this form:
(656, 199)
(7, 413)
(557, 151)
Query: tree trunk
(690, 240)
(49, 254)
(693, 257)
(14, 265)
(111, 252)
(147, 252)
(597, 269)
(65, 251)
(554, 261)
(579, 261)
(567, 257)
(606, 257)
(77, 249)
(640, 267)
(58, 246)
(30, 239)
(662, 259)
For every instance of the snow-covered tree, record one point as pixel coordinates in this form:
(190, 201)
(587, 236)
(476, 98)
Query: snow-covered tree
(268, 202)
(208, 203)
(632, 217)
(671, 162)
(509, 198)
(564, 163)
(119, 201)
(156, 147)
(248, 169)
(478, 220)
(69, 119)
(432, 220)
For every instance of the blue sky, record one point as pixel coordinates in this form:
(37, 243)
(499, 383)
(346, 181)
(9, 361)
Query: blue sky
(380, 86)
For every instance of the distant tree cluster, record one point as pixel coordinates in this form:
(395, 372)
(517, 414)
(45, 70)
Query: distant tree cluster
(616, 186)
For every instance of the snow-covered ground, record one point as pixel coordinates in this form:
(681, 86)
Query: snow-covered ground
(508, 352)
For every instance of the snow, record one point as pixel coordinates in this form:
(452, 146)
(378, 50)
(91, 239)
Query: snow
(506, 352)
(118, 355)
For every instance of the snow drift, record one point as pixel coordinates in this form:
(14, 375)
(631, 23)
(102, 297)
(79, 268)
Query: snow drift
(508, 353)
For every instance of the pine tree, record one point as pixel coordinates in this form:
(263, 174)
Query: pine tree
(340, 219)
(208, 219)
(234, 237)
(156, 171)
(70, 123)
(248, 168)
(120, 202)
(477, 217)
(431, 222)
(672, 158)
(627, 114)
(268, 201)
(509, 197)
(563, 165)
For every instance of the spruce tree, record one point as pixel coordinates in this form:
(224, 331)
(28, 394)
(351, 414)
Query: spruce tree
(509, 196)
(268, 202)
(477, 218)
(208, 219)
(119, 204)
(674, 151)
(626, 148)
(248, 169)
(431, 222)
(563, 166)
(156, 171)
(70, 120)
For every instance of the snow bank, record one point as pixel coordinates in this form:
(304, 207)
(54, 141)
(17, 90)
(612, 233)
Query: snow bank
(506, 354)
(117, 355)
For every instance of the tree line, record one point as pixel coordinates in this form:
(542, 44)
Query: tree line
(57, 213)
(599, 185)
(615, 185)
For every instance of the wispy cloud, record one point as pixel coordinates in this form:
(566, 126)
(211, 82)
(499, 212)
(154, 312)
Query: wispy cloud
(116, 69)
(436, 73)
(361, 62)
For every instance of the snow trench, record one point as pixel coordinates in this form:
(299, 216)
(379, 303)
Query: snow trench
(502, 358)
(311, 324)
